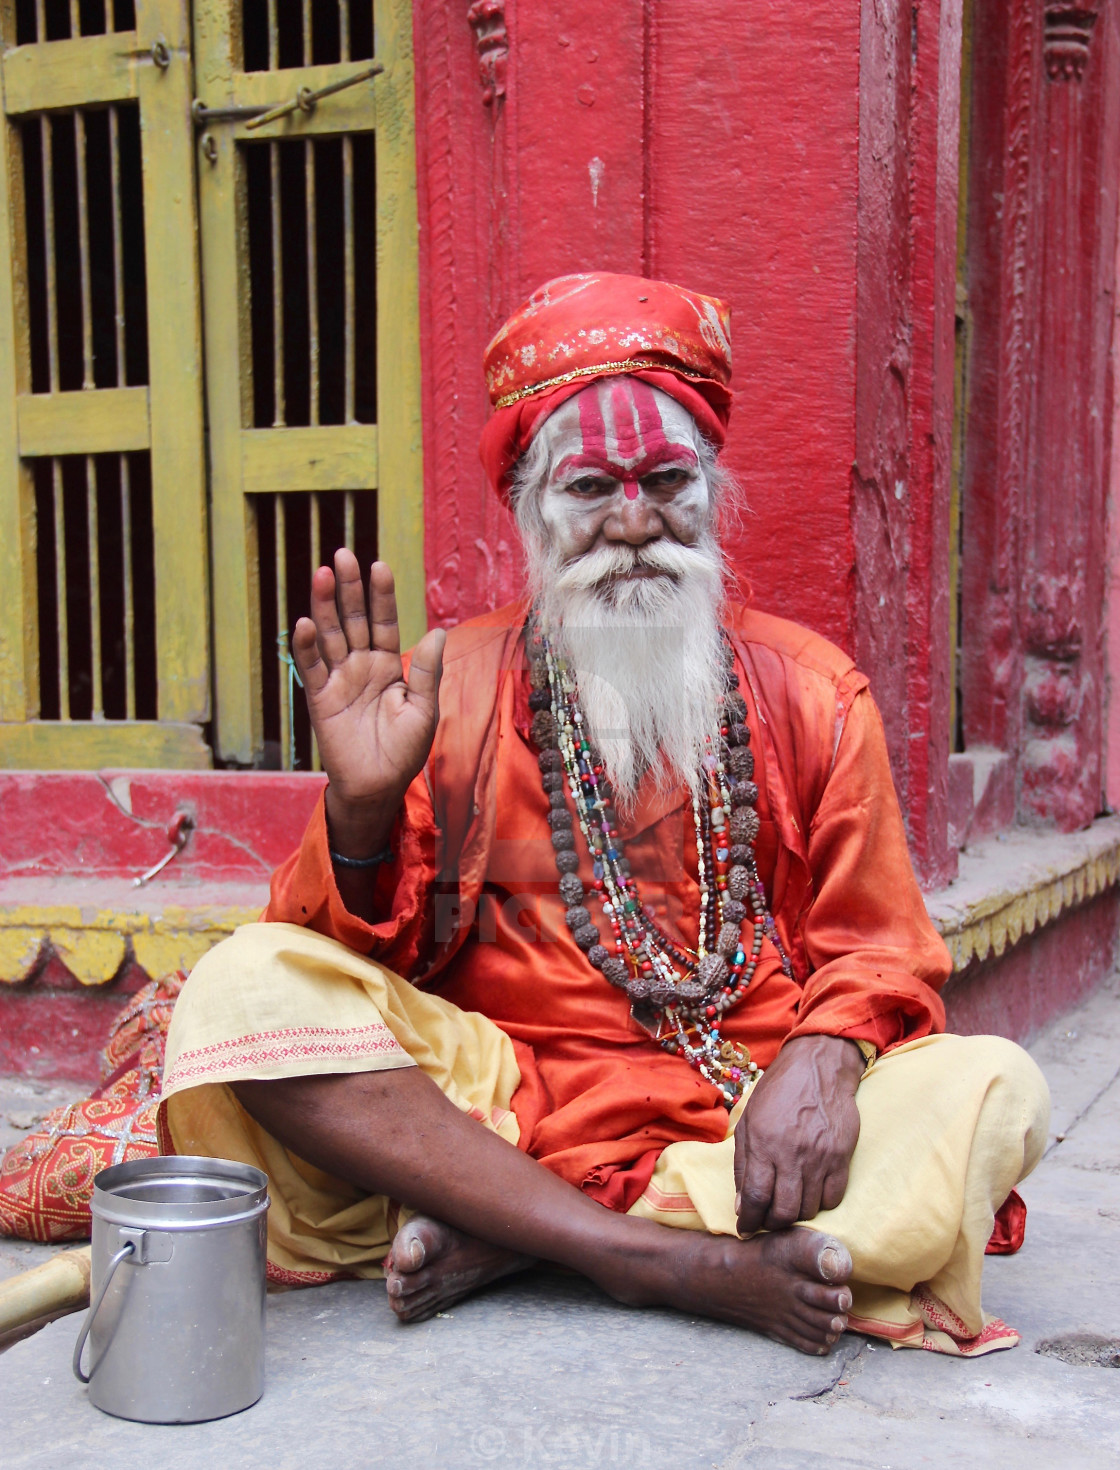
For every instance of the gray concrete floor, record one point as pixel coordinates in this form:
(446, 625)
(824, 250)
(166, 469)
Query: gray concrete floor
(543, 1371)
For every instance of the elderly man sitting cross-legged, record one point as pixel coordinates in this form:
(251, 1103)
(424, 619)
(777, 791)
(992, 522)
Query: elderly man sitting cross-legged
(603, 947)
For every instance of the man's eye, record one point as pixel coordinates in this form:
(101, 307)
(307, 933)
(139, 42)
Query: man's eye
(589, 485)
(666, 479)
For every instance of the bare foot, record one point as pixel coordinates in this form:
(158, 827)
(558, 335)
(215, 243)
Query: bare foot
(789, 1285)
(430, 1266)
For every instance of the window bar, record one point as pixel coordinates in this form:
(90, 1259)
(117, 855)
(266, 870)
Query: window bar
(307, 32)
(312, 277)
(316, 558)
(278, 413)
(75, 20)
(60, 590)
(349, 523)
(98, 696)
(316, 532)
(125, 472)
(281, 551)
(118, 257)
(347, 233)
(129, 605)
(51, 272)
(83, 247)
(49, 246)
(348, 271)
(273, 38)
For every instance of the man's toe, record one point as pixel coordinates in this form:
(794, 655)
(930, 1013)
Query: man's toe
(833, 1260)
(415, 1243)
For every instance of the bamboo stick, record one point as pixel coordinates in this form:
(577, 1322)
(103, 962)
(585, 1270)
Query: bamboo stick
(58, 1285)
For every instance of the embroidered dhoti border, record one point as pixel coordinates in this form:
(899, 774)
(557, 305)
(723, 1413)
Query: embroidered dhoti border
(948, 1126)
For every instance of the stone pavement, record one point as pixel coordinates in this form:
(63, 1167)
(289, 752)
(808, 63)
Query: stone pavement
(543, 1371)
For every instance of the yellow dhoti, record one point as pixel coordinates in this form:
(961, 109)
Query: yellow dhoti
(948, 1126)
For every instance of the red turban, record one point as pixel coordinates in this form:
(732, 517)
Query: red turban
(577, 329)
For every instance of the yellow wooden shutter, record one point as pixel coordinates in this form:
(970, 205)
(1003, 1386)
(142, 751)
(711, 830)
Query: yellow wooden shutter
(117, 145)
(310, 269)
(102, 478)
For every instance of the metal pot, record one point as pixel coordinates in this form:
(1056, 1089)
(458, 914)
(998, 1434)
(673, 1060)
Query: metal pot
(176, 1319)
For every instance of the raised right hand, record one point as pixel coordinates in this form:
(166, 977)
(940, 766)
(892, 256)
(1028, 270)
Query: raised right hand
(374, 729)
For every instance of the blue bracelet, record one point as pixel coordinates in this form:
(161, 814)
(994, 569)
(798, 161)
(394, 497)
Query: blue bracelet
(370, 862)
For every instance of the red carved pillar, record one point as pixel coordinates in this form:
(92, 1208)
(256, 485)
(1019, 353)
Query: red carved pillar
(909, 95)
(1063, 562)
(1001, 283)
(1045, 154)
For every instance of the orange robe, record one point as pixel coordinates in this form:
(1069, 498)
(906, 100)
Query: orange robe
(472, 904)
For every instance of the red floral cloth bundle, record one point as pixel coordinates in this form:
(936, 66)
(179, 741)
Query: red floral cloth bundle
(46, 1180)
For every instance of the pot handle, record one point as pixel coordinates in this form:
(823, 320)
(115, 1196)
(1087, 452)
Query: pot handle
(127, 1249)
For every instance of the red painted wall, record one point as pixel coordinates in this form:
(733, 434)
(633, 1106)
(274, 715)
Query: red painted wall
(635, 139)
(804, 172)
(111, 826)
(753, 163)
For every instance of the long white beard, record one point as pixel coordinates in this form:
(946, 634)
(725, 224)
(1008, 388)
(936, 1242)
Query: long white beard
(647, 653)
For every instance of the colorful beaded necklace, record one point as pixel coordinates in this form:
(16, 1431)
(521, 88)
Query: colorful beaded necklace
(679, 995)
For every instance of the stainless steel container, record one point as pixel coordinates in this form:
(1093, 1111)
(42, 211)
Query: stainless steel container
(176, 1318)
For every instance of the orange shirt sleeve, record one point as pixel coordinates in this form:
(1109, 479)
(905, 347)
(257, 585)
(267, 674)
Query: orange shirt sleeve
(303, 889)
(877, 961)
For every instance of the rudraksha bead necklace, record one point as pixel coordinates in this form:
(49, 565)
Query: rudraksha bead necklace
(678, 994)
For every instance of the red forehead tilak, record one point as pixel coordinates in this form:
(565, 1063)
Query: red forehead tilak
(630, 443)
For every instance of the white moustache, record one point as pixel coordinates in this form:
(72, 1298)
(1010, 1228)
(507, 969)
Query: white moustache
(607, 564)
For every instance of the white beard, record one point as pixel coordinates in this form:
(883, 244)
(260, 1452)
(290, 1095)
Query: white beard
(647, 654)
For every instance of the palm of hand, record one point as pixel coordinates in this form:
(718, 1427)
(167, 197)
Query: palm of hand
(369, 732)
(374, 728)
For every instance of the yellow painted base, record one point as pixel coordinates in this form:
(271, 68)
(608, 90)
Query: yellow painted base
(1015, 884)
(95, 946)
(20, 949)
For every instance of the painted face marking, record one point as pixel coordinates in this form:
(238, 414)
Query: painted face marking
(627, 431)
(592, 425)
(626, 437)
(633, 445)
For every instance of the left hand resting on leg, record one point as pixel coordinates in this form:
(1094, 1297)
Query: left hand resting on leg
(797, 1134)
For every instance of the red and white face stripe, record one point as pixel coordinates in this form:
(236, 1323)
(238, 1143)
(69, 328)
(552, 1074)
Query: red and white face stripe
(623, 464)
(626, 431)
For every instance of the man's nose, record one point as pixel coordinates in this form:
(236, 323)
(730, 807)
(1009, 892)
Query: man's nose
(633, 518)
